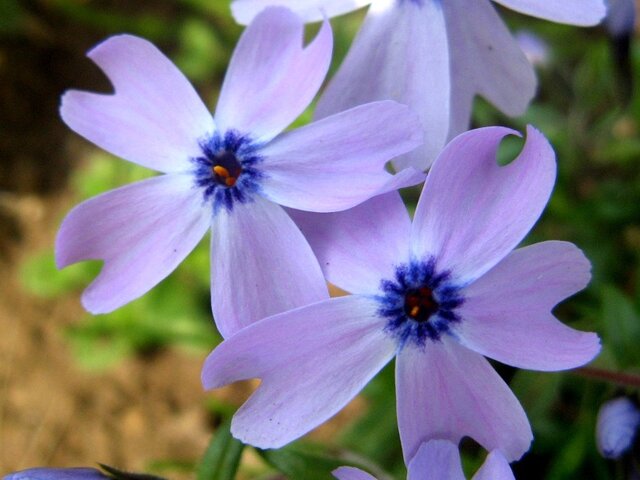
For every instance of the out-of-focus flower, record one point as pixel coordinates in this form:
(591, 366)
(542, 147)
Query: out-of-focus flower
(433, 55)
(620, 23)
(617, 427)
(232, 174)
(439, 294)
(57, 474)
(440, 460)
(534, 47)
(621, 17)
(82, 473)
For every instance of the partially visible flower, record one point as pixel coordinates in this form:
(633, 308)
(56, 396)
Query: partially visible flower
(621, 18)
(82, 473)
(440, 460)
(433, 55)
(533, 46)
(617, 427)
(231, 175)
(57, 474)
(438, 293)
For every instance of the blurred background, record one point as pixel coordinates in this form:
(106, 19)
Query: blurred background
(124, 389)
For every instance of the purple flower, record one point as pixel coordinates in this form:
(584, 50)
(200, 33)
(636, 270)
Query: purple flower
(621, 17)
(439, 294)
(617, 427)
(232, 175)
(440, 460)
(433, 55)
(534, 47)
(57, 474)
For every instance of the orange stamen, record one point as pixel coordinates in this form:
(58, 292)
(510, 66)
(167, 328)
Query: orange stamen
(221, 171)
(230, 181)
(414, 311)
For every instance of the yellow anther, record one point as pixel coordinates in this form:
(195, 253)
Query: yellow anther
(221, 171)
(414, 311)
(230, 181)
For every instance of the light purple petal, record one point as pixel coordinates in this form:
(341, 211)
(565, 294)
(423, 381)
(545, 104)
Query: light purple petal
(261, 265)
(272, 77)
(573, 12)
(473, 212)
(358, 247)
(446, 391)
(495, 467)
(338, 162)
(312, 362)
(155, 118)
(351, 473)
(485, 60)
(57, 474)
(400, 54)
(310, 10)
(507, 312)
(617, 426)
(141, 231)
(436, 460)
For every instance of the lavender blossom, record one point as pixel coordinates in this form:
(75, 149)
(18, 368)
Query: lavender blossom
(433, 55)
(231, 175)
(617, 427)
(57, 474)
(440, 460)
(438, 294)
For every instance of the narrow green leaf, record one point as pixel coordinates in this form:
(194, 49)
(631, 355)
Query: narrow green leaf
(301, 465)
(117, 474)
(221, 460)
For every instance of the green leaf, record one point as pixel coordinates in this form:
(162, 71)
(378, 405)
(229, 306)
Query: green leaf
(621, 327)
(40, 276)
(301, 465)
(122, 475)
(221, 460)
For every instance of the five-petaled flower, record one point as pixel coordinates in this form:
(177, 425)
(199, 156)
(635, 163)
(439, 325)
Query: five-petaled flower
(440, 460)
(437, 293)
(232, 173)
(433, 55)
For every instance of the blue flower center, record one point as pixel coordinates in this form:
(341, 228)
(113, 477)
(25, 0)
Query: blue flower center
(227, 169)
(419, 303)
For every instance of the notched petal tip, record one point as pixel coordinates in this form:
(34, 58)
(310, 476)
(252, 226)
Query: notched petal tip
(117, 41)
